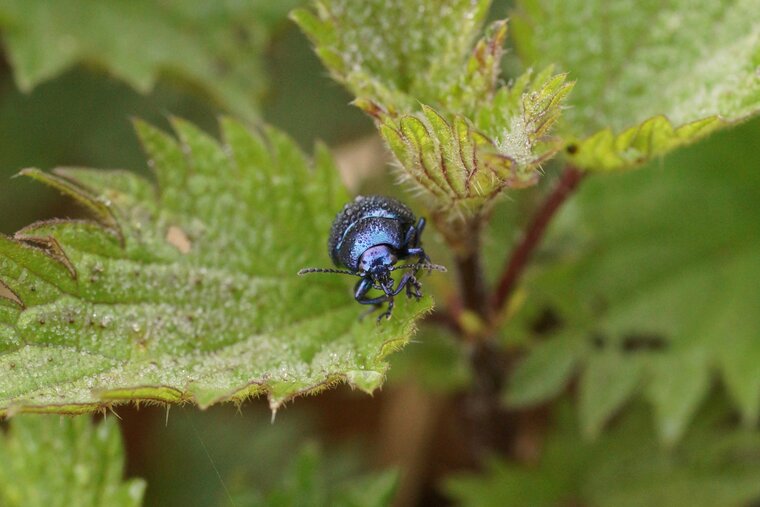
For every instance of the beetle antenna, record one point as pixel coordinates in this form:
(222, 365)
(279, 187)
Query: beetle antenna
(421, 265)
(306, 271)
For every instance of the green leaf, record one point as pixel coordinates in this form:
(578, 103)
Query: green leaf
(714, 465)
(50, 461)
(663, 285)
(394, 53)
(607, 151)
(505, 485)
(552, 481)
(649, 79)
(460, 135)
(461, 165)
(544, 372)
(214, 47)
(188, 290)
(608, 380)
(306, 483)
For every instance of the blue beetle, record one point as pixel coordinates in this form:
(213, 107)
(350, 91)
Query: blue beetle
(368, 237)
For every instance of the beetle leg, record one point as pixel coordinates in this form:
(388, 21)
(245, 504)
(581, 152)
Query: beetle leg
(363, 286)
(402, 283)
(390, 295)
(420, 227)
(413, 247)
(414, 234)
(414, 289)
(408, 281)
(412, 286)
(360, 291)
(387, 313)
(377, 303)
(411, 238)
(420, 253)
(369, 311)
(360, 294)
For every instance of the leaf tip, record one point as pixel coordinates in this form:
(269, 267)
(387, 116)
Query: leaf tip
(370, 107)
(8, 294)
(29, 172)
(365, 380)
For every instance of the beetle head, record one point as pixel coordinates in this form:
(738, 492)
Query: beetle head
(377, 262)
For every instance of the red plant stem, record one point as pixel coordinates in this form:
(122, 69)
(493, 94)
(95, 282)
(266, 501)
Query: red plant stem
(521, 254)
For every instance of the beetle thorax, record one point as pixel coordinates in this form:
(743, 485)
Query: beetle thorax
(378, 260)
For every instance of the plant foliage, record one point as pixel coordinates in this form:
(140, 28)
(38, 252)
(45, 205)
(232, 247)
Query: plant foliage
(625, 468)
(213, 46)
(185, 290)
(307, 483)
(651, 75)
(459, 134)
(50, 462)
(663, 293)
(167, 298)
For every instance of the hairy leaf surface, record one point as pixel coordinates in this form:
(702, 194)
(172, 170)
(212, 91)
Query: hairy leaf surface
(187, 290)
(394, 52)
(433, 84)
(651, 75)
(51, 461)
(663, 292)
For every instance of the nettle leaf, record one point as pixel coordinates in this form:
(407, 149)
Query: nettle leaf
(544, 373)
(649, 79)
(662, 296)
(463, 166)
(308, 482)
(51, 461)
(459, 134)
(395, 53)
(187, 291)
(714, 465)
(213, 46)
